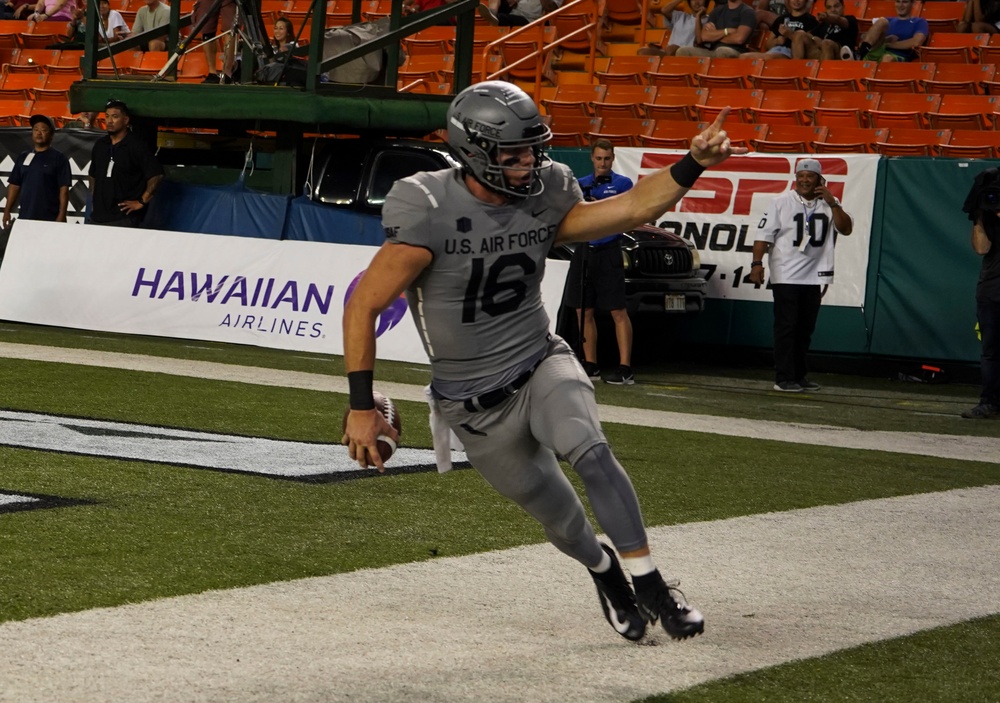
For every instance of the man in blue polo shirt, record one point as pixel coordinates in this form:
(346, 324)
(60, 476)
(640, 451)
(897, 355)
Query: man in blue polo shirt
(895, 38)
(41, 178)
(597, 273)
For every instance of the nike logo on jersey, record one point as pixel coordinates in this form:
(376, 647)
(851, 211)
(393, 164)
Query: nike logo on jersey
(536, 214)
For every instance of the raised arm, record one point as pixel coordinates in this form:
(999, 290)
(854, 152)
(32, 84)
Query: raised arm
(653, 195)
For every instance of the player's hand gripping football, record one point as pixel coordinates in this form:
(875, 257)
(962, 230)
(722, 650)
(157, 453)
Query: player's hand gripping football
(712, 146)
(361, 436)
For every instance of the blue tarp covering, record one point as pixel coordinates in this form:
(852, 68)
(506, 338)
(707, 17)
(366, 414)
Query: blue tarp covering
(232, 209)
(313, 222)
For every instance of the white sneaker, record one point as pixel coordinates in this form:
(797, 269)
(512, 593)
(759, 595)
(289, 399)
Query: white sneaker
(846, 54)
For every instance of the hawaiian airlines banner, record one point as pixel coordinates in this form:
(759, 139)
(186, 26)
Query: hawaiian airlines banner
(242, 290)
(720, 214)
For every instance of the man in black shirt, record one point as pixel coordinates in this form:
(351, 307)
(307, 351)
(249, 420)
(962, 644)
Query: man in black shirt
(834, 37)
(982, 206)
(124, 173)
(779, 43)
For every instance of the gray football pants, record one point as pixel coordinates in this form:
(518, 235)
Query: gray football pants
(513, 447)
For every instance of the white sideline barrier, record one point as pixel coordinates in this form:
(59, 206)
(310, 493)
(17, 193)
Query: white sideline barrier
(240, 290)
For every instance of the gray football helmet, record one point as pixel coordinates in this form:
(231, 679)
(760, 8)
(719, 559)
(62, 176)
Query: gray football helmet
(494, 115)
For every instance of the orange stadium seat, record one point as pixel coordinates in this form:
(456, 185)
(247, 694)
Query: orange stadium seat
(679, 71)
(37, 57)
(965, 112)
(623, 131)
(572, 130)
(739, 99)
(670, 134)
(905, 141)
(991, 52)
(850, 140)
(791, 139)
(951, 47)
(788, 74)
(942, 15)
(729, 73)
(433, 40)
(960, 78)
(972, 143)
(676, 103)
(741, 133)
(625, 101)
(904, 110)
(786, 107)
(574, 99)
(899, 77)
(841, 75)
(628, 69)
(12, 110)
(844, 108)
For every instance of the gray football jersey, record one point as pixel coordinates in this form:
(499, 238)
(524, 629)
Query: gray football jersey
(478, 305)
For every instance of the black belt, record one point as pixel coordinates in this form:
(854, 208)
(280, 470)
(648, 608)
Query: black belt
(494, 398)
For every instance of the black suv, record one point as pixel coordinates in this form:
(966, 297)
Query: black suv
(661, 268)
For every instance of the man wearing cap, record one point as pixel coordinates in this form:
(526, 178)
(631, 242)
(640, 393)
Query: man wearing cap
(798, 233)
(124, 174)
(41, 178)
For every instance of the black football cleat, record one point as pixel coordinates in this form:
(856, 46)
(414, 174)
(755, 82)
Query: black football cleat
(618, 601)
(659, 600)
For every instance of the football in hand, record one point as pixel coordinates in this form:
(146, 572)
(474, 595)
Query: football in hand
(386, 446)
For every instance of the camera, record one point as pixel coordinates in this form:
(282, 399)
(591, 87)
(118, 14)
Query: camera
(989, 198)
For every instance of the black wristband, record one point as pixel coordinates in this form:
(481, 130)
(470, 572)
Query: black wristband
(686, 171)
(756, 263)
(360, 384)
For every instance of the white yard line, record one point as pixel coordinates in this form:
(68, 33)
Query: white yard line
(924, 444)
(524, 624)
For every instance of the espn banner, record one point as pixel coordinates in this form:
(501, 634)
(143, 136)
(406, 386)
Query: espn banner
(720, 214)
(240, 290)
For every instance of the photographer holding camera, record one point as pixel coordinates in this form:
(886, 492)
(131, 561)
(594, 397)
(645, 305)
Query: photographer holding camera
(982, 205)
(597, 273)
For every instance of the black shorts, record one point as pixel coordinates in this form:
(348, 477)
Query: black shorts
(596, 277)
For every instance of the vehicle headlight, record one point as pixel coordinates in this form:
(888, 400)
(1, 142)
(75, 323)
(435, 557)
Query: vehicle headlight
(626, 260)
(695, 259)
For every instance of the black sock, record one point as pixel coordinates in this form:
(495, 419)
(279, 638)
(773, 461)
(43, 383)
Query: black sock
(863, 48)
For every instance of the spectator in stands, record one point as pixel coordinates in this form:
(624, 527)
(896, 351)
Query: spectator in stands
(150, 16)
(124, 174)
(516, 13)
(41, 178)
(597, 275)
(726, 33)
(19, 9)
(894, 39)
(783, 29)
(224, 20)
(55, 10)
(284, 35)
(685, 28)
(113, 25)
(835, 36)
(981, 17)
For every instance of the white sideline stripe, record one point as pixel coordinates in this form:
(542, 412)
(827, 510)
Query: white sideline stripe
(961, 447)
(14, 499)
(524, 624)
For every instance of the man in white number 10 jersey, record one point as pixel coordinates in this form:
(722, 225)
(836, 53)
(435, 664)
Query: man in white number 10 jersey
(799, 230)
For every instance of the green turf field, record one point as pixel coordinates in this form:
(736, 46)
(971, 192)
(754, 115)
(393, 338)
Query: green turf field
(146, 530)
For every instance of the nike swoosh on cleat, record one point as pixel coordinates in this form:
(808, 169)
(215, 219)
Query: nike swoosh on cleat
(620, 627)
